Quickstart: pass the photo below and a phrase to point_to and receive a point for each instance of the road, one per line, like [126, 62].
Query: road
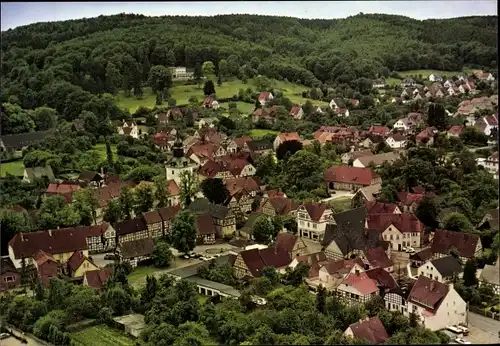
[483, 330]
[476, 149]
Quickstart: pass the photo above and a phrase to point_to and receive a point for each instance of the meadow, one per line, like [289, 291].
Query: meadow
[101, 336]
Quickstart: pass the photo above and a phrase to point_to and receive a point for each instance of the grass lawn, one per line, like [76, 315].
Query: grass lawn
[138, 274]
[244, 108]
[101, 336]
[101, 149]
[14, 167]
[392, 81]
[341, 204]
[202, 299]
[258, 133]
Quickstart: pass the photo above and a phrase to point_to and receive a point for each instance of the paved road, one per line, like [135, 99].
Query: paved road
[483, 330]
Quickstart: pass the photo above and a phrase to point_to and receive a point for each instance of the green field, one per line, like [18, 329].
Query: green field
[243, 107]
[101, 336]
[341, 204]
[258, 133]
[182, 93]
[101, 149]
[138, 274]
[14, 167]
[427, 73]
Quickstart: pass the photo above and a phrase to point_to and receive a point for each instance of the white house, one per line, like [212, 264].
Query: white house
[378, 83]
[297, 112]
[178, 164]
[312, 219]
[129, 128]
[265, 97]
[402, 124]
[434, 77]
[181, 73]
[396, 141]
[401, 230]
[210, 122]
[284, 137]
[487, 124]
[442, 269]
[448, 84]
[437, 304]
[490, 163]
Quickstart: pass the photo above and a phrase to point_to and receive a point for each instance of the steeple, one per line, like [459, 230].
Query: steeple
[178, 148]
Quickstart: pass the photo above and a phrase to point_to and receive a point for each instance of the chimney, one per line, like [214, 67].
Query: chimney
[102, 172]
[432, 286]
[50, 232]
[21, 235]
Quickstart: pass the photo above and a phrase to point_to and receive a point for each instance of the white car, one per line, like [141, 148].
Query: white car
[409, 249]
[464, 329]
[462, 341]
[454, 329]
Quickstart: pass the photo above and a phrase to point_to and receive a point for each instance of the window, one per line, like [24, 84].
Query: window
[397, 237]
[308, 224]
[315, 226]
[172, 172]
[391, 236]
[8, 279]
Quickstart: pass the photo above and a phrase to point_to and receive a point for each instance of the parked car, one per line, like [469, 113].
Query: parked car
[110, 257]
[409, 249]
[185, 256]
[4, 336]
[464, 329]
[462, 341]
[454, 329]
[197, 255]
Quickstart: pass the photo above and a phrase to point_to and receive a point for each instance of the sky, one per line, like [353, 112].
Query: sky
[15, 14]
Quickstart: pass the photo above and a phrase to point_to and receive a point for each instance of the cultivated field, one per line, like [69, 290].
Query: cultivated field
[101, 336]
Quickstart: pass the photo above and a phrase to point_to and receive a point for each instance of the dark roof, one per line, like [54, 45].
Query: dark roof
[168, 213]
[97, 278]
[136, 248]
[6, 266]
[248, 227]
[377, 257]
[371, 330]
[384, 279]
[444, 241]
[428, 293]
[315, 210]
[286, 241]
[447, 266]
[256, 259]
[76, 260]
[203, 206]
[131, 226]
[21, 140]
[422, 256]
[259, 144]
[54, 242]
[88, 176]
[349, 232]
[205, 225]
[152, 217]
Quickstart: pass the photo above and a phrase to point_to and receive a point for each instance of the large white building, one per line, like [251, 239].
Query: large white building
[312, 219]
[179, 163]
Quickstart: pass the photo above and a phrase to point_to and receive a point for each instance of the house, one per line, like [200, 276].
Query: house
[436, 304]
[487, 124]
[454, 131]
[366, 194]
[379, 83]
[179, 164]
[343, 112]
[96, 278]
[369, 329]
[377, 130]
[349, 178]
[419, 258]
[489, 220]
[377, 258]
[208, 122]
[167, 215]
[259, 146]
[265, 97]
[249, 263]
[353, 155]
[312, 219]
[278, 205]
[291, 243]
[409, 202]
[78, 264]
[490, 163]
[297, 112]
[434, 77]
[110, 191]
[61, 244]
[32, 173]
[100, 238]
[154, 224]
[91, 179]
[346, 236]
[205, 229]
[136, 251]
[263, 114]
[129, 128]
[181, 73]
[375, 207]
[224, 218]
[337, 103]
[9, 275]
[284, 137]
[333, 272]
[396, 141]
[210, 102]
[47, 266]
[65, 190]
[491, 275]
[131, 230]
[483, 75]
[371, 141]
[426, 136]
[313, 260]
[408, 82]
[175, 114]
[401, 230]
[376, 160]
[233, 168]
[443, 269]
[246, 231]
[402, 124]
[467, 245]
[20, 141]
[242, 192]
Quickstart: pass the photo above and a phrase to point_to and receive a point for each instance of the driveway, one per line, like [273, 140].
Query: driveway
[483, 330]
[99, 260]
[338, 194]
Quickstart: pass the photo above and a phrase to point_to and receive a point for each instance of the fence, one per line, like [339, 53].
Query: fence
[483, 312]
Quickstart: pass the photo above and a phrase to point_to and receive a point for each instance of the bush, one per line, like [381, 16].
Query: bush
[106, 315]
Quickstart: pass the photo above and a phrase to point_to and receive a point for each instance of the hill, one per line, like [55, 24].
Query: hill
[109, 53]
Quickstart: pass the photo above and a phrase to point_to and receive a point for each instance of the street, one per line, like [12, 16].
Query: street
[483, 330]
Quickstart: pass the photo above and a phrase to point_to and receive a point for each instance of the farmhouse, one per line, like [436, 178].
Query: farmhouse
[349, 178]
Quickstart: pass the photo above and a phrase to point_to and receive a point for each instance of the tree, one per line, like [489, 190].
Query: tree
[208, 68]
[308, 108]
[288, 148]
[172, 102]
[15, 120]
[109, 154]
[321, 299]
[209, 88]
[184, 232]
[12, 223]
[296, 276]
[188, 188]
[113, 212]
[159, 78]
[375, 306]
[219, 80]
[159, 100]
[118, 300]
[193, 99]
[161, 191]
[457, 222]
[162, 256]
[126, 202]
[470, 269]
[388, 194]
[143, 198]
[223, 68]
[436, 116]
[215, 190]
[198, 73]
[55, 212]
[263, 230]
[45, 118]
[427, 212]
[85, 201]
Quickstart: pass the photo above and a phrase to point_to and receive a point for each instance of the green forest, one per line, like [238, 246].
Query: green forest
[71, 65]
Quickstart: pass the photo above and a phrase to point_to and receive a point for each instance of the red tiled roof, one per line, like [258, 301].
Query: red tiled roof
[361, 282]
[282, 205]
[444, 241]
[426, 133]
[95, 230]
[54, 242]
[409, 198]
[205, 225]
[315, 210]
[242, 183]
[371, 330]
[295, 110]
[289, 136]
[152, 217]
[97, 278]
[377, 258]
[455, 129]
[286, 241]
[314, 261]
[379, 130]
[383, 279]
[240, 141]
[173, 188]
[111, 191]
[403, 222]
[76, 260]
[203, 149]
[418, 189]
[275, 193]
[168, 213]
[41, 257]
[264, 95]
[350, 175]
[398, 137]
[491, 120]
[344, 265]
[374, 207]
[428, 293]
[256, 259]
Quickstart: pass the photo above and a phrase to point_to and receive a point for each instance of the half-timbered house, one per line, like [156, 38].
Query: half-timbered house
[154, 224]
[131, 230]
